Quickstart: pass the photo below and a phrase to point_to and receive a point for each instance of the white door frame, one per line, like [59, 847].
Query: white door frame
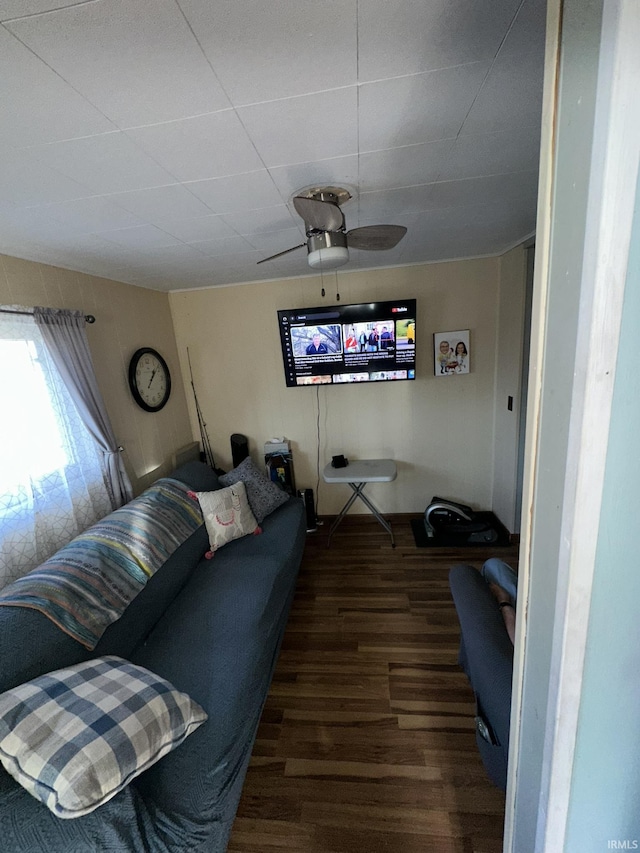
[610, 209]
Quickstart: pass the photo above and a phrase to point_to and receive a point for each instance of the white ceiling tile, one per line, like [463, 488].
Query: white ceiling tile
[506, 189]
[20, 8]
[261, 221]
[90, 257]
[170, 260]
[419, 108]
[276, 241]
[159, 204]
[263, 51]
[241, 262]
[451, 246]
[25, 181]
[515, 150]
[219, 276]
[153, 70]
[384, 205]
[194, 229]
[511, 96]
[139, 237]
[336, 172]
[223, 246]
[403, 167]
[207, 146]
[295, 264]
[467, 229]
[35, 104]
[107, 163]
[438, 133]
[363, 259]
[430, 223]
[311, 127]
[31, 221]
[89, 246]
[528, 30]
[410, 36]
[237, 193]
[92, 214]
[151, 280]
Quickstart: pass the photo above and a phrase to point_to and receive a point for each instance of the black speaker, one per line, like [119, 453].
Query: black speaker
[239, 448]
[307, 496]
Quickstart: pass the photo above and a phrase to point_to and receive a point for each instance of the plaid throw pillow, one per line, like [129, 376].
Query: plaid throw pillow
[77, 736]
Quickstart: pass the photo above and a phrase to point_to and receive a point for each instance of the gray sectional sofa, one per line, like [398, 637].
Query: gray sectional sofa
[212, 628]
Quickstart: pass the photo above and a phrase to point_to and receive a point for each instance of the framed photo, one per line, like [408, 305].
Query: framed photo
[451, 353]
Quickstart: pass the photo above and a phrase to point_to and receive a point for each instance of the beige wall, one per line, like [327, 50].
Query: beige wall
[439, 430]
[511, 315]
[127, 318]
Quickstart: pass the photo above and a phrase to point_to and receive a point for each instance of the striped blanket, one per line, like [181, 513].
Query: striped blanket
[87, 584]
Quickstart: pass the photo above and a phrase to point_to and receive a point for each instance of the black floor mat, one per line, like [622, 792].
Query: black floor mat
[459, 540]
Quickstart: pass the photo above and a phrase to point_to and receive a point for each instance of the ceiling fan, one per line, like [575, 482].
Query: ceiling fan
[327, 240]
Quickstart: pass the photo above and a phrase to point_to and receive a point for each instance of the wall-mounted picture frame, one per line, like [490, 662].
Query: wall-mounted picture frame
[451, 353]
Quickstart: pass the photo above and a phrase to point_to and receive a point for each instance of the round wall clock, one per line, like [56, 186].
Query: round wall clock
[149, 379]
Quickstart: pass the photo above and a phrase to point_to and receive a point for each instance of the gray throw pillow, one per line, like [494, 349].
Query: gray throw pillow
[264, 495]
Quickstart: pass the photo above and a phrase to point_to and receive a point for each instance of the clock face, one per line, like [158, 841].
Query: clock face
[149, 379]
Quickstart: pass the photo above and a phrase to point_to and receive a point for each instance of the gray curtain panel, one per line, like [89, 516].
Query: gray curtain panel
[66, 339]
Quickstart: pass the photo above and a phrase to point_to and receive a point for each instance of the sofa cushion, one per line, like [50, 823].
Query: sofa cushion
[197, 475]
[144, 611]
[237, 606]
[75, 737]
[264, 495]
[227, 515]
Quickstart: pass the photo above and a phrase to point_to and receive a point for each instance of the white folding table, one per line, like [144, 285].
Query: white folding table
[356, 475]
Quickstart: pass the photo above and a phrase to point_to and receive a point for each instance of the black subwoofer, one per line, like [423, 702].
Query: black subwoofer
[309, 505]
[239, 448]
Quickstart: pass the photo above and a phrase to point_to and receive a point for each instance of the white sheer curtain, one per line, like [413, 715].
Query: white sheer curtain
[51, 474]
[63, 332]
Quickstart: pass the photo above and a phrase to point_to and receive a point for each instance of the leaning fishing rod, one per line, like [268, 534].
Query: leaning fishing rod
[204, 438]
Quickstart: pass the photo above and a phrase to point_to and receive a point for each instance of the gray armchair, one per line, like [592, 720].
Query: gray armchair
[486, 656]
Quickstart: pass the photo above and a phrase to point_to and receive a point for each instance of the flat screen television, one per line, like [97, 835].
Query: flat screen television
[341, 344]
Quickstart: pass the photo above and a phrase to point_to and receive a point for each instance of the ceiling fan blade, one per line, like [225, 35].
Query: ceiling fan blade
[375, 237]
[280, 254]
[323, 215]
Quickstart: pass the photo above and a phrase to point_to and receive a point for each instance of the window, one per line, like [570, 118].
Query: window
[51, 477]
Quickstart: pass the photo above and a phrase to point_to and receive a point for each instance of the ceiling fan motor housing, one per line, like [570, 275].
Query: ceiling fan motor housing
[327, 249]
[327, 237]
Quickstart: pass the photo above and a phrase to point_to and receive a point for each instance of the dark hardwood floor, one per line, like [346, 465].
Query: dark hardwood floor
[367, 742]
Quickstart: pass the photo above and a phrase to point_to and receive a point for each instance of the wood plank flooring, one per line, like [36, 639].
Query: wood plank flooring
[366, 743]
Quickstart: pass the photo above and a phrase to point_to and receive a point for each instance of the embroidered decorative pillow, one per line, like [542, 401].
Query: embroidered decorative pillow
[264, 495]
[76, 737]
[227, 515]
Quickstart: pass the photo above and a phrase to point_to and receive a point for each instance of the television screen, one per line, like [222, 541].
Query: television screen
[337, 345]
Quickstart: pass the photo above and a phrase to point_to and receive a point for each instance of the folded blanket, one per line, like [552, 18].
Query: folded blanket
[87, 584]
